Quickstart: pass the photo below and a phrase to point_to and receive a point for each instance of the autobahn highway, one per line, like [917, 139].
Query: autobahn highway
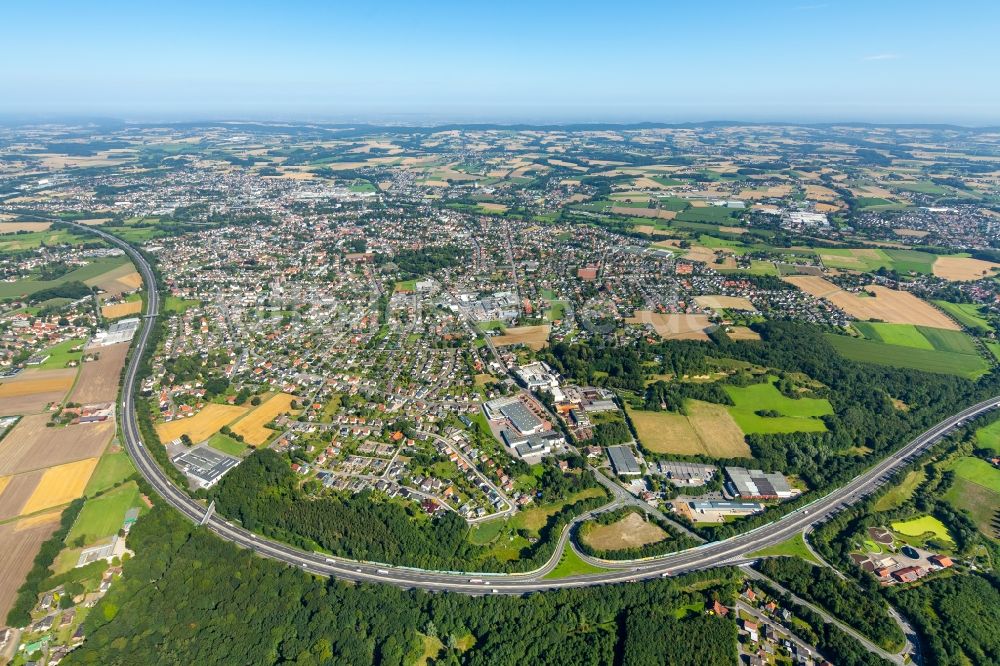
[734, 550]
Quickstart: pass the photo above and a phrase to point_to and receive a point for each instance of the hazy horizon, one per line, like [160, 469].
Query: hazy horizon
[897, 62]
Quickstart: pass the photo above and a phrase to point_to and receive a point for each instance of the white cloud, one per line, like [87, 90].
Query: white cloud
[882, 56]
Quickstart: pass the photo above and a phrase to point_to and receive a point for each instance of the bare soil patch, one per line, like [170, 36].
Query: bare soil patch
[32, 445]
[32, 390]
[629, 532]
[20, 543]
[17, 492]
[99, 379]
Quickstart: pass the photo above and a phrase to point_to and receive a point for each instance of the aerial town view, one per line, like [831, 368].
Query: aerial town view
[406, 381]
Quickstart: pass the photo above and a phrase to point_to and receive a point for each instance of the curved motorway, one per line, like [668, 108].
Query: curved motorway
[719, 553]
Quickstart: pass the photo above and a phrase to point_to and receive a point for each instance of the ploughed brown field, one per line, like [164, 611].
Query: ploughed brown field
[16, 492]
[32, 390]
[629, 532]
[32, 445]
[19, 543]
[99, 379]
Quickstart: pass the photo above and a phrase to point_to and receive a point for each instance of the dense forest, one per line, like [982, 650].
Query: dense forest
[427, 260]
[190, 598]
[957, 618]
[263, 493]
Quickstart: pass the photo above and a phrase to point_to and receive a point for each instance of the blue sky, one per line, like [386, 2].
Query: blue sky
[911, 61]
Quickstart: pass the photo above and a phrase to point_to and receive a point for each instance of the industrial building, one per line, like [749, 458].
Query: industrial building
[204, 465]
[623, 461]
[756, 484]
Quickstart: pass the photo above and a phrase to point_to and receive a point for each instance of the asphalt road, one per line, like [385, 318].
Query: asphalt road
[719, 553]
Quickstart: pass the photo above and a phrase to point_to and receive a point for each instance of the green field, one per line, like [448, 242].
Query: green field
[710, 214]
[898, 494]
[976, 490]
[29, 286]
[918, 337]
[797, 415]
[967, 314]
[928, 360]
[60, 354]
[111, 469]
[903, 335]
[227, 444]
[535, 518]
[175, 305]
[485, 533]
[570, 564]
[922, 186]
[102, 516]
[13, 242]
[979, 472]
[849, 260]
[406, 285]
[989, 436]
[870, 202]
[917, 531]
[793, 547]
[916, 261]
[758, 267]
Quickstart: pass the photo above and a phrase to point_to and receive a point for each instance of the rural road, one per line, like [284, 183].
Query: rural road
[720, 553]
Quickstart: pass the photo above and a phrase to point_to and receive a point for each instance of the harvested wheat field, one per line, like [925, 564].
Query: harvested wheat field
[883, 304]
[14, 227]
[820, 193]
[490, 207]
[117, 280]
[121, 309]
[632, 531]
[19, 543]
[17, 491]
[725, 303]
[252, 426]
[32, 390]
[99, 379]
[707, 429]
[32, 445]
[742, 333]
[673, 326]
[60, 485]
[705, 255]
[959, 269]
[202, 425]
[535, 337]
